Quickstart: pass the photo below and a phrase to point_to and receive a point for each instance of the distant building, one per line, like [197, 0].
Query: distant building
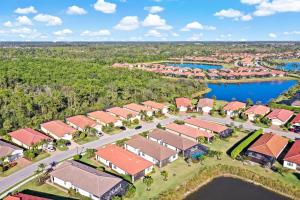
[139, 108]
[184, 104]
[296, 121]
[280, 116]
[292, 158]
[105, 118]
[10, 152]
[156, 106]
[88, 181]
[58, 130]
[205, 105]
[123, 113]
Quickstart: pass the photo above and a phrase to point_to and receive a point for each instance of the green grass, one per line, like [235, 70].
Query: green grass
[86, 139]
[41, 157]
[10, 171]
[114, 131]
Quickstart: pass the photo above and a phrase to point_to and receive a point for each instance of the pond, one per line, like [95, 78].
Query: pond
[257, 91]
[291, 66]
[196, 65]
[224, 188]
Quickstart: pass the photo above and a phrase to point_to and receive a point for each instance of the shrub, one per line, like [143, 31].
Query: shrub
[130, 193]
[237, 150]
[77, 157]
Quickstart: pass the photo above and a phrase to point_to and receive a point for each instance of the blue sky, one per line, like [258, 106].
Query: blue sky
[149, 20]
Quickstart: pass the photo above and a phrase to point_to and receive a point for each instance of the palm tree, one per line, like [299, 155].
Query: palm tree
[165, 174]
[148, 180]
[41, 167]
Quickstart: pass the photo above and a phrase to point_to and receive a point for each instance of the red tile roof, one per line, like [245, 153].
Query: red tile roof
[81, 121]
[103, 117]
[137, 108]
[296, 120]
[21, 196]
[121, 112]
[154, 105]
[58, 128]
[188, 131]
[28, 136]
[183, 102]
[214, 127]
[123, 159]
[258, 110]
[269, 144]
[234, 106]
[206, 102]
[281, 114]
[293, 154]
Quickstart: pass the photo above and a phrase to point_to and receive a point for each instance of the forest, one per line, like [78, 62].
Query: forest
[39, 85]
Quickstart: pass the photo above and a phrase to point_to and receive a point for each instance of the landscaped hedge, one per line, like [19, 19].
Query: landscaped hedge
[283, 106]
[237, 150]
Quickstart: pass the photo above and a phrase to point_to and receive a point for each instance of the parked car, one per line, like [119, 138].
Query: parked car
[123, 128]
[138, 127]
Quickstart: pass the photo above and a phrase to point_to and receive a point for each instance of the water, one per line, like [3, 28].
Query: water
[257, 91]
[224, 188]
[291, 66]
[196, 65]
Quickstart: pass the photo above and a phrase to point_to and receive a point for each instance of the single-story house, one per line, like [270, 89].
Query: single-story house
[88, 181]
[139, 108]
[181, 145]
[81, 122]
[267, 149]
[292, 158]
[233, 107]
[124, 162]
[205, 105]
[296, 121]
[10, 152]
[123, 113]
[156, 106]
[184, 104]
[151, 151]
[256, 110]
[208, 126]
[280, 116]
[58, 130]
[22, 196]
[189, 132]
[28, 137]
[105, 118]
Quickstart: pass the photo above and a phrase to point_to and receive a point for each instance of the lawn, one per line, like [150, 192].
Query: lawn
[87, 139]
[41, 157]
[11, 171]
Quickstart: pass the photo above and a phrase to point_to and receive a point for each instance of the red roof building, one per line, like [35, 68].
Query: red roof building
[103, 118]
[183, 104]
[21, 196]
[296, 120]
[234, 106]
[58, 130]
[292, 158]
[27, 137]
[154, 105]
[257, 110]
[80, 122]
[124, 161]
[122, 112]
[280, 116]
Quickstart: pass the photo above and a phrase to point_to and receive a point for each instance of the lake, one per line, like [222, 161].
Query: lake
[291, 66]
[256, 91]
[224, 188]
[196, 65]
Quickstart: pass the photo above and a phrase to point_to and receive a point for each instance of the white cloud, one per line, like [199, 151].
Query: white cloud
[63, 33]
[195, 37]
[128, 23]
[100, 33]
[193, 25]
[154, 9]
[154, 20]
[153, 33]
[75, 10]
[252, 2]
[268, 7]
[210, 28]
[226, 35]
[48, 19]
[105, 7]
[234, 14]
[8, 24]
[23, 21]
[292, 33]
[174, 34]
[272, 35]
[246, 18]
[27, 10]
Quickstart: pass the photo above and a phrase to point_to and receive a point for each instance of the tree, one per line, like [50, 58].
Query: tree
[130, 193]
[90, 153]
[164, 174]
[159, 126]
[219, 155]
[148, 180]
[41, 167]
[249, 102]
[116, 198]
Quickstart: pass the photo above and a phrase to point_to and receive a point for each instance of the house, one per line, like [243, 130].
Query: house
[81, 122]
[292, 158]
[28, 137]
[22, 196]
[105, 118]
[156, 106]
[58, 130]
[280, 116]
[189, 132]
[10, 152]
[88, 181]
[267, 149]
[208, 126]
[205, 105]
[151, 151]
[124, 162]
[233, 107]
[123, 113]
[296, 121]
[139, 108]
[184, 104]
[179, 144]
[256, 110]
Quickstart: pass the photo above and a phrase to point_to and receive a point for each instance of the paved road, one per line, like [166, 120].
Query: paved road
[28, 171]
[249, 126]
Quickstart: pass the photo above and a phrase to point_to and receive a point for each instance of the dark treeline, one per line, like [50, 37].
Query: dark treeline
[36, 89]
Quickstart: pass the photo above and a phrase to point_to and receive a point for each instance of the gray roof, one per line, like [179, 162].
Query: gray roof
[86, 178]
[150, 148]
[172, 139]
[6, 148]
